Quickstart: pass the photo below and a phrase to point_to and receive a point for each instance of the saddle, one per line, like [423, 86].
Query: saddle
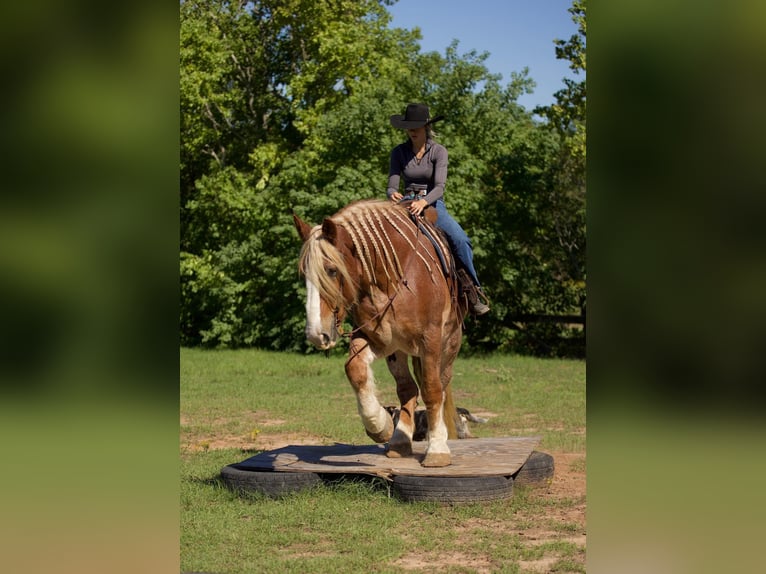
[477, 301]
[447, 263]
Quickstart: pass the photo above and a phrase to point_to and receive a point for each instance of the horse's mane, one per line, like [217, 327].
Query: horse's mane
[365, 221]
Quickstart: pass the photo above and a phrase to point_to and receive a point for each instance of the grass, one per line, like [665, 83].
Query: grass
[231, 400]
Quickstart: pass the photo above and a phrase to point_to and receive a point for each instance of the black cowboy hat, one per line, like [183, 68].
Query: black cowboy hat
[415, 116]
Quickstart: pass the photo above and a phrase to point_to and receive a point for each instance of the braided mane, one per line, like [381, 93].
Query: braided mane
[366, 222]
[370, 224]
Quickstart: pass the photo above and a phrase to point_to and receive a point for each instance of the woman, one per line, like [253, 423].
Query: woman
[423, 164]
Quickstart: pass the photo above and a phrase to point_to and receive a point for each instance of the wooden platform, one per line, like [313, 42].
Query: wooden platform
[470, 457]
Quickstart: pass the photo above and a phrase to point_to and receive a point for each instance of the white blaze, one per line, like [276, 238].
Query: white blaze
[313, 317]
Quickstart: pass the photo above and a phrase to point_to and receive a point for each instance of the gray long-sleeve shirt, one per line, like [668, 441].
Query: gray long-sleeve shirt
[430, 170]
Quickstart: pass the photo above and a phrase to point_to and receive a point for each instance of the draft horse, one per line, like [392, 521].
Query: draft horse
[395, 277]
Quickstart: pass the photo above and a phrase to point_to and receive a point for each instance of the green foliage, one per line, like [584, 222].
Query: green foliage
[567, 115]
[284, 109]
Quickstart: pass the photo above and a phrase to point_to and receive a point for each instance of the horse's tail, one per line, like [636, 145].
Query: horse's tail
[450, 414]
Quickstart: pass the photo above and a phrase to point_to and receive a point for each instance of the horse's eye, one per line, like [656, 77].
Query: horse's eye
[332, 272]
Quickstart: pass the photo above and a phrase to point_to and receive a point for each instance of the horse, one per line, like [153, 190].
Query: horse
[395, 276]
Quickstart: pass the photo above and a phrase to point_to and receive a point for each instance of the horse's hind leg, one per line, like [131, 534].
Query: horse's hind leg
[407, 391]
[377, 422]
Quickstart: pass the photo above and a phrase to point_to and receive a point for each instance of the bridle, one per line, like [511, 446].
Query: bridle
[338, 324]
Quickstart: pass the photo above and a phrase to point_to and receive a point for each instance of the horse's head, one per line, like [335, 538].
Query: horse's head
[329, 286]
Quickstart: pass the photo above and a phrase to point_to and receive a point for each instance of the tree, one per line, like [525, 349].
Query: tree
[563, 205]
[284, 107]
[269, 93]
[535, 231]
[567, 115]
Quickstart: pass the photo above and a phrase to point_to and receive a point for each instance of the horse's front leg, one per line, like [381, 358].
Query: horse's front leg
[437, 451]
[407, 391]
[377, 422]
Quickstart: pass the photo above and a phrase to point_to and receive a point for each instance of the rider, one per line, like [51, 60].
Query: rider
[423, 164]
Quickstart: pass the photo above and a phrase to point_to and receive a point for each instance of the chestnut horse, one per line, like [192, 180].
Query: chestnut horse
[373, 261]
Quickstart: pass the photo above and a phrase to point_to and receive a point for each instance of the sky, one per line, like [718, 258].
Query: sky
[516, 33]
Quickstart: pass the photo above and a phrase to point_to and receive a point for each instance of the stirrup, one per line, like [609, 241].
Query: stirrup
[480, 308]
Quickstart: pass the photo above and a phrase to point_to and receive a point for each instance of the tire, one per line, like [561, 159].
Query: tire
[536, 471]
[272, 484]
[452, 490]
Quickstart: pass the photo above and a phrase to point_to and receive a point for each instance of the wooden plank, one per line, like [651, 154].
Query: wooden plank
[470, 457]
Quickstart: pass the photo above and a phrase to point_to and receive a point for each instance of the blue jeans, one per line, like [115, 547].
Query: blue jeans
[457, 238]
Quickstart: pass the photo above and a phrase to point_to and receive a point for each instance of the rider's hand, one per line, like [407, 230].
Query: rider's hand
[417, 206]
[396, 197]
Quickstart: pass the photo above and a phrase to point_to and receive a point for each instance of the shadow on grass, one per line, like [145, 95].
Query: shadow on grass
[329, 483]
[358, 482]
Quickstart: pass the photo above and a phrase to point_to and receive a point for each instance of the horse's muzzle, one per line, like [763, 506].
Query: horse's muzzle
[321, 339]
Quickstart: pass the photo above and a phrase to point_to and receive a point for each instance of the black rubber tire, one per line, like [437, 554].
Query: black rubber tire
[452, 490]
[536, 471]
[272, 484]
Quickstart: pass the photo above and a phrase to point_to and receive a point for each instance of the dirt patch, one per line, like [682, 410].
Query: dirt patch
[272, 422]
[444, 561]
[263, 441]
[563, 522]
[279, 440]
[484, 414]
[256, 430]
[569, 478]
[541, 565]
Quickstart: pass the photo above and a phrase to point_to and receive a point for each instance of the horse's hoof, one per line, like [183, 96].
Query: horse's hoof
[401, 450]
[384, 435]
[437, 459]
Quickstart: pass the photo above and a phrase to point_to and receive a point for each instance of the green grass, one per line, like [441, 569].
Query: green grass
[358, 527]
[233, 391]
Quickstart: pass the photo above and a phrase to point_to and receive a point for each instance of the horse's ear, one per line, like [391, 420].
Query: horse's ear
[304, 229]
[330, 230]
[336, 235]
